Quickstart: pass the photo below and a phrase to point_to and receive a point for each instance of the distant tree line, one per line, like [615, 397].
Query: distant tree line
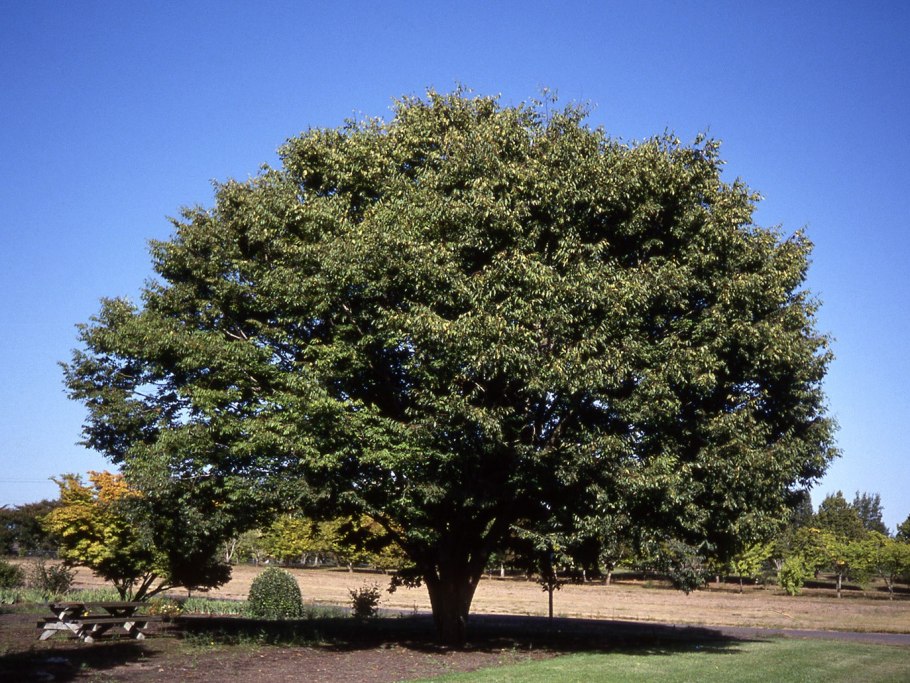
[102, 524]
[848, 540]
[21, 532]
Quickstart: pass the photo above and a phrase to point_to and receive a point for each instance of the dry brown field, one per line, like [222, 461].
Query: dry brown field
[719, 605]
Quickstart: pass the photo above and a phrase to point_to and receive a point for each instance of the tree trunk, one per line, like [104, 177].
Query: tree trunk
[229, 550]
[609, 576]
[838, 583]
[450, 598]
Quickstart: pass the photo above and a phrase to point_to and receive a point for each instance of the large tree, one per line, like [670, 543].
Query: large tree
[467, 319]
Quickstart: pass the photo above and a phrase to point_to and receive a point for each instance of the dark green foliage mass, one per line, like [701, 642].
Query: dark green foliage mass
[843, 520]
[11, 575]
[365, 601]
[903, 530]
[684, 565]
[869, 508]
[21, 532]
[466, 319]
[274, 594]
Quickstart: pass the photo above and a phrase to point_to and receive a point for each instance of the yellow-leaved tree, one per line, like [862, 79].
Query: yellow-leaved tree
[103, 525]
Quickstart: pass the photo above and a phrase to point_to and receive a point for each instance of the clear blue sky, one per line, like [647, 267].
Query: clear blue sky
[115, 114]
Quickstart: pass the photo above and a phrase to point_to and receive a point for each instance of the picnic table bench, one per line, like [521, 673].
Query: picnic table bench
[90, 620]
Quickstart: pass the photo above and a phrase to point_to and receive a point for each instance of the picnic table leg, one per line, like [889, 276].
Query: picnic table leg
[50, 628]
[134, 629]
[61, 623]
[89, 633]
[75, 628]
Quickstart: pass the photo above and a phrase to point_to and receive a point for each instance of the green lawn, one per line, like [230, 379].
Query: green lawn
[777, 660]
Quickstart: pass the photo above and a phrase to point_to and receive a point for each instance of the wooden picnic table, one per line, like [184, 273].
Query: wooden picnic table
[89, 620]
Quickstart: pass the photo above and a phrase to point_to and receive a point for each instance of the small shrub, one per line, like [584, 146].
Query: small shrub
[105, 594]
[52, 580]
[212, 606]
[274, 594]
[793, 574]
[365, 601]
[164, 607]
[11, 575]
[685, 566]
[9, 596]
[12, 596]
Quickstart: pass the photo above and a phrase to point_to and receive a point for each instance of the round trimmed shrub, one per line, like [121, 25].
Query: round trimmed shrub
[274, 594]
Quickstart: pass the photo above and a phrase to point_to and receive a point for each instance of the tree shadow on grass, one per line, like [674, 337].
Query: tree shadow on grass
[597, 635]
[487, 633]
[522, 636]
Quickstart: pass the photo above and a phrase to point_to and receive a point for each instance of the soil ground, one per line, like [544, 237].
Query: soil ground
[508, 626]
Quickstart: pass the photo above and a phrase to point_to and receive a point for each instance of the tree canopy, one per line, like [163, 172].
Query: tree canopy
[903, 530]
[839, 517]
[869, 508]
[468, 319]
